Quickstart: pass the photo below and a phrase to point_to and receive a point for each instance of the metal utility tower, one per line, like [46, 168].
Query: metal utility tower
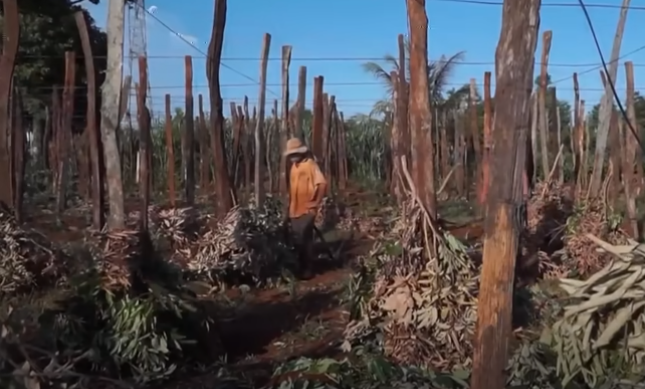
[138, 46]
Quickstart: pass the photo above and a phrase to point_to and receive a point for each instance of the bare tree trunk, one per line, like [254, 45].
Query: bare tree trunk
[514, 61]
[226, 196]
[542, 111]
[10, 32]
[111, 95]
[606, 106]
[419, 108]
[259, 125]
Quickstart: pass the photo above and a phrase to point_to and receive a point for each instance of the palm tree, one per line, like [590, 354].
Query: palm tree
[439, 72]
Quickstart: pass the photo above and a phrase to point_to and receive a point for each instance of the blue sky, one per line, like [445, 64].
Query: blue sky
[323, 32]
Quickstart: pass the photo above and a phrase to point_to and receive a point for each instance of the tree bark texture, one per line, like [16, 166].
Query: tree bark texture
[420, 115]
[111, 95]
[606, 106]
[514, 61]
[224, 190]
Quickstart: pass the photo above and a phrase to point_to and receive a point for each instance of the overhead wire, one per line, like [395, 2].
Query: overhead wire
[349, 83]
[600, 66]
[610, 82]
[561, 5]
[180, 36]
[341, 59]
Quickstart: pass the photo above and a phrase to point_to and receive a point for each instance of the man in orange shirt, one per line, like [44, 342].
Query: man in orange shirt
[307, 187]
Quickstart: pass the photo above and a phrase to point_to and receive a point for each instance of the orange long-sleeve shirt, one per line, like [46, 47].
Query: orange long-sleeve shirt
[307, 187]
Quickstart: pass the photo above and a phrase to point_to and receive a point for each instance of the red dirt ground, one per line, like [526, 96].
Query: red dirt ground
[306, 319]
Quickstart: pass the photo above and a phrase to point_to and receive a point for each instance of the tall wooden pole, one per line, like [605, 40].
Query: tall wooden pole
[514, 60]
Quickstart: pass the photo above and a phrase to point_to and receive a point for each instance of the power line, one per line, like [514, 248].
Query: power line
[610, 82]
[600, 66]
[329, 59]
[292, 85]
[180, 36]
[562, 5]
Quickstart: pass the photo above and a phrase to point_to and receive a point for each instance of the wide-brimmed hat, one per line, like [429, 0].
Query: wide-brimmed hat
[295, 146]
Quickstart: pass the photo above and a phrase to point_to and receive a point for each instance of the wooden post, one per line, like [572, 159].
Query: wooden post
[18, 148]
[474, 133]
[459, 152]
[189, 127]
[275, 123]
[10, 32]
[224, 190]
[317, 121]
[284, 125]
[259, 124]
[65, 133]
[91, 129]
[420, 114]
[542, 111]
[246, 142]
[342, 151]
[170, 152]
[403, 106]
[143, 114]
[237, 129]
[326, 135]
[204, 150]
[514, 78]
[577, 135]
[630, 153]
[607, 106]
[488, 139]
[300, 103]
[396, 188]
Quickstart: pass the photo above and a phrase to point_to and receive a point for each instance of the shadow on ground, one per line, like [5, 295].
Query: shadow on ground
[257, 325]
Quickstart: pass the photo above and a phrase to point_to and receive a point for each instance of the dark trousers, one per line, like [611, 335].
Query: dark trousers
[302, 228]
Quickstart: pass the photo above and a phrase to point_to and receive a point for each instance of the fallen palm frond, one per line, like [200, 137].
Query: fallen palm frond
[423, 298]
[249, 241]
[604, 324]
[27, 259]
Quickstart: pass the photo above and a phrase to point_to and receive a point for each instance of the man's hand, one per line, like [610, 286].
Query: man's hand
[313, 206]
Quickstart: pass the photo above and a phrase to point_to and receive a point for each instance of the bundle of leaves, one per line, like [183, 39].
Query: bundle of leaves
[547, 212]
[361, 370]
[593, 217]
[422, 304]
[599, 340]
[128, 316]
[176, 231]
[28, 260]
[250, 243]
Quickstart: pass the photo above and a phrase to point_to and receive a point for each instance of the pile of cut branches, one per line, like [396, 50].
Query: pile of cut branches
[127, 314]
[175, 231]
[249, 242]
[600, 338]
[28, 261]
[594, 217]
[423, 298]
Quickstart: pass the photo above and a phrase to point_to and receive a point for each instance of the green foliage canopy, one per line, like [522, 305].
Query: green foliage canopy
[47, 30]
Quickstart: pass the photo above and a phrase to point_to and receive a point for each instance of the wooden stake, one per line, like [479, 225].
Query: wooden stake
[504, 220]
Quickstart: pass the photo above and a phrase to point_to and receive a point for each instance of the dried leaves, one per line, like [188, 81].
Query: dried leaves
[426, 302]
[250, 241]
[591, 217]
[603, 321]
[27, 259]
[120, 254]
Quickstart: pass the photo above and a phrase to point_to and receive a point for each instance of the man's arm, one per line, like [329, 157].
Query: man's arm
[320, 185]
